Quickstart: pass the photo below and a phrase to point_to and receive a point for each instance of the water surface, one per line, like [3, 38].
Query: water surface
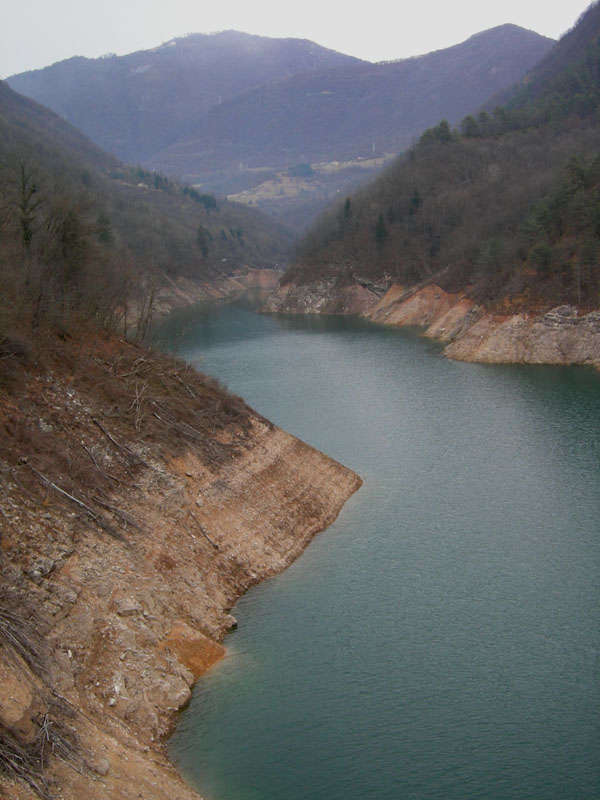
[441, 639]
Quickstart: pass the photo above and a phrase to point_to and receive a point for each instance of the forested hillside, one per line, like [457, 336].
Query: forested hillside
[231, 112]
[136, 105]
[507, 204]
[79, 229]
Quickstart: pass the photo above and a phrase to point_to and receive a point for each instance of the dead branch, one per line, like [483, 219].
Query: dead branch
[99, 468]
[91, 455]
[112, 439]
[15, 631]
[185, 386]
[202, 529]
[136, 368]
[22, 762]
[215, 449]
[62, 741]
[126, 519]
[87, 510]
[136, 404]
[121, 447]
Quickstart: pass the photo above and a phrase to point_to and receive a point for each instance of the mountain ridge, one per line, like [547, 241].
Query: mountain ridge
[134, 104]
[304, 104]
[501, 215]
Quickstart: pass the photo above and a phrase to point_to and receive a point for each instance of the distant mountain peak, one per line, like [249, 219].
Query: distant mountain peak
[494, 35]
[223, 108]
[181, 78]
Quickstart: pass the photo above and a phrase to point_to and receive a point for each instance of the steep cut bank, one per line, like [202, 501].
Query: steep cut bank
[560, 336]
[138, 502]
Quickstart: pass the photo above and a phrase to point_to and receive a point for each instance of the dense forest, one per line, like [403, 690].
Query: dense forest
[508, 204]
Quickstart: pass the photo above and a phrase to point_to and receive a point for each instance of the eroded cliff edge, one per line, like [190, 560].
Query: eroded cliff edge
[138, 502]
[560, 336]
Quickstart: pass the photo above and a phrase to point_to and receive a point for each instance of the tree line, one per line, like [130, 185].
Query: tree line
[507, 204]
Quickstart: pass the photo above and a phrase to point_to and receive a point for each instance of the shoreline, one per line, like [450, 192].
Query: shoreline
[469, 332]
[131, 621]
[181, 292]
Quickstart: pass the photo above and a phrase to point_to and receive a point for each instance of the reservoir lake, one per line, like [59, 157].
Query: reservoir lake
[441, 640]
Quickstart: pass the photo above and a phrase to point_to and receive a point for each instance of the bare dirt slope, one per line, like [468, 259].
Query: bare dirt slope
[138, 501]
[561, 335]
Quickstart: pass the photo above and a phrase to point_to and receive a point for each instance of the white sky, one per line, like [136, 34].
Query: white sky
[36, 33]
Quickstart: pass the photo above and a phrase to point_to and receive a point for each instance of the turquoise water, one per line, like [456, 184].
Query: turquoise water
[441, 639]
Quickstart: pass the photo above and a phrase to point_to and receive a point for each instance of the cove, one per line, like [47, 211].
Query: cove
[441, 639]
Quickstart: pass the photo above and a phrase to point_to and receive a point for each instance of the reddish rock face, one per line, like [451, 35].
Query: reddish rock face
[559, 336]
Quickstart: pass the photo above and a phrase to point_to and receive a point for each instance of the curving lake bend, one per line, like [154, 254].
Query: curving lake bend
[442, 639]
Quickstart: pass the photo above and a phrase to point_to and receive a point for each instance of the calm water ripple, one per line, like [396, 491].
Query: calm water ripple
[442, 639]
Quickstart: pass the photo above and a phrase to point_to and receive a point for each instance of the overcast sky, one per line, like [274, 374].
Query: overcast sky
[36, 33]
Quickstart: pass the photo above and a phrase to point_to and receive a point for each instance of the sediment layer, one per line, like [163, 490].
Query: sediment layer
[560, 336]
[180, 291]
[128, 616]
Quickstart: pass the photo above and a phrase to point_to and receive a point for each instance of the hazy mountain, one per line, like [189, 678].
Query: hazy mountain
[201, 106]
[508, 206]
[138, 104]
[354, 111]
[51, 175]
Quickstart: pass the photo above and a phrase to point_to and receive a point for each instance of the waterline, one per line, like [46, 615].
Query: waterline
[441, 639]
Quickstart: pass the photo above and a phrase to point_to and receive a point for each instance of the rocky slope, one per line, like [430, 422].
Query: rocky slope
[560, 336]
[327, 296]
[180, 291]
[137, 502]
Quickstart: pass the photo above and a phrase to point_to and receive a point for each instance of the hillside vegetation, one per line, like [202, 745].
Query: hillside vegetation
[508, 204]
[138, 104]
[79, 230]
[229, 111]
